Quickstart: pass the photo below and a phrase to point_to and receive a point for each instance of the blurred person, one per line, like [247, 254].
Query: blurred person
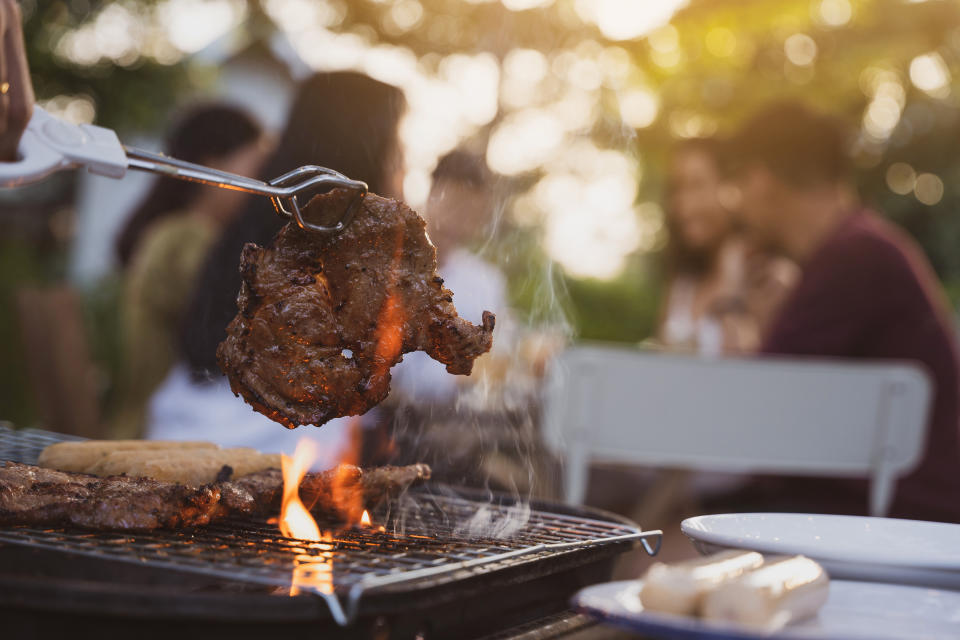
[475, 430]
[720, 294]
[866, 292]
[16, 89]
[720, 291]
[346, 121]
[164, 242]
[459, 212]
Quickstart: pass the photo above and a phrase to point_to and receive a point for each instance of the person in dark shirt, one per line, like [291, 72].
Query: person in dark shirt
[866, 291]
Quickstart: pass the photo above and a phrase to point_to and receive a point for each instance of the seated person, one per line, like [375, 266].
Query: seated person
[458, 211]
[473, 430]
[720, 291]
[866, 292]
[195, 401]
[163, 245]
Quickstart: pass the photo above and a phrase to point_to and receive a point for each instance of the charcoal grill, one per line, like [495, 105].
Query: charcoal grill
[440, 549]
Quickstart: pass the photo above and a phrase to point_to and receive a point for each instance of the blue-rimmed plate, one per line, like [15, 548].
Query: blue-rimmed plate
[854, 611]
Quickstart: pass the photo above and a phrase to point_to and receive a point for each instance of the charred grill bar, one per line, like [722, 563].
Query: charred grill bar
[439, 547]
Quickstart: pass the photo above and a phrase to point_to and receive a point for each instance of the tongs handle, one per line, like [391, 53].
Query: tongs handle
[50, 144]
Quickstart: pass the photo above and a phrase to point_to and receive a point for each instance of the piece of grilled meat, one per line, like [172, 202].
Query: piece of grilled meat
[36, 496]
[337, 492]
[323, 318]
[45, 497]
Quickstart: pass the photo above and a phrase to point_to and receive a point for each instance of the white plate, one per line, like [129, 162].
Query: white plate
[854, 611]
[854, 547]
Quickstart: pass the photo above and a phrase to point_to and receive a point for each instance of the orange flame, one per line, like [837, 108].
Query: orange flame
[295, 520]
[365, 518]
[314, 572]
[347, 492]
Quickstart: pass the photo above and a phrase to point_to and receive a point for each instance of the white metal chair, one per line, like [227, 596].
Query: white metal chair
[758, 415]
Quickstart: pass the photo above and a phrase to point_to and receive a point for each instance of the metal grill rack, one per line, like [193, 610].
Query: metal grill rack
[25, 445]
[425, 542]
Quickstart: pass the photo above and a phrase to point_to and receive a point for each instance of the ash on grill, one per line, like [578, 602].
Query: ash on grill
[425, 545]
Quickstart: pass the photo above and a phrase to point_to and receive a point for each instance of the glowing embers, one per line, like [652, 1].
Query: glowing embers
[314, 572]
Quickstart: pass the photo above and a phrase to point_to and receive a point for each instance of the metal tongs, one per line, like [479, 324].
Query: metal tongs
[50, 144]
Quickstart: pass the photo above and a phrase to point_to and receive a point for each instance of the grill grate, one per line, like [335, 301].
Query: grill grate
[427, 539]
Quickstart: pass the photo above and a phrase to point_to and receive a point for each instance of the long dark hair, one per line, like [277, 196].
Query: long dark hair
[342, 120]
[681, 259]
[200, 133]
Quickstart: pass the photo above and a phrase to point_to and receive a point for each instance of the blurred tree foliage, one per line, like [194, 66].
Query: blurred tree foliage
[132, 91]
[717, 61]
[732, 57]
[889, 68]
[720, 60]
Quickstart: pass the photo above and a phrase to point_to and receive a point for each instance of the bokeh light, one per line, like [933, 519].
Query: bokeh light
[523, 5]
[883, 112]
[523, 71]
[685, 123]
[834, 13]
[638, 107]
[721, 42]
[524, 141]
[78, 109]
[193, 24]
[665, 47]
[403, 16]
[800, 49]
[297, 15]
[928, 189]
[930, 74]
[116, 35]
[627, 19]
[614, 71]
[901, 178]
[586, 201]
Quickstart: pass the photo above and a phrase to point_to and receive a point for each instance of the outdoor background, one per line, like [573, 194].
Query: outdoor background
[574, 103]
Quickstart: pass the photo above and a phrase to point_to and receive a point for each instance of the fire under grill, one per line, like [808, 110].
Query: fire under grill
[428, 539]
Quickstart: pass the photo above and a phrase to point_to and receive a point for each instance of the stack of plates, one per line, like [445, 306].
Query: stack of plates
[848, 547]
[854, 611]
[890, 579]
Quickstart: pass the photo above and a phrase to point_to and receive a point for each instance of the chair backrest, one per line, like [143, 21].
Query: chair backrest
[770, 415]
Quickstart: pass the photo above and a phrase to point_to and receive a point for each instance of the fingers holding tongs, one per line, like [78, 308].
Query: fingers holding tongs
[16, 90]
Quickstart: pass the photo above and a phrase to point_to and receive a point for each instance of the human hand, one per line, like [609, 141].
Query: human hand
[16, 91]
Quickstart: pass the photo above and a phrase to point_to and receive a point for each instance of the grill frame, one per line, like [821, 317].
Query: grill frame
[474, 556]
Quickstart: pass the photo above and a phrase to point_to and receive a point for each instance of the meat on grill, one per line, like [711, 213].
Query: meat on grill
[37, 496]
[323, 318]
[337, 492]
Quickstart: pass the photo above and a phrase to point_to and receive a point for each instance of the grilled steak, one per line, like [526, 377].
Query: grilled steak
[36, 496]
[339, 492]
[323, 318]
